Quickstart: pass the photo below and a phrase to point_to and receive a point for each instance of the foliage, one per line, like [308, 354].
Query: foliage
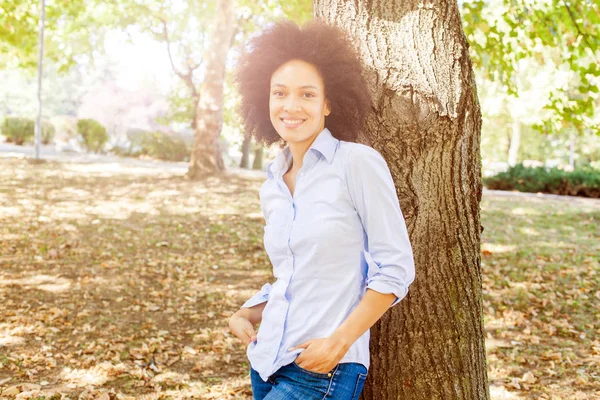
[20, 130]
[583, 181]
[93, 134]
[556, 147]
[566, 34]
[73, 27]
[535, 145]
[160, 145]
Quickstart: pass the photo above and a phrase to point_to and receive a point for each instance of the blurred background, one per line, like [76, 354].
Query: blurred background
[124, 78]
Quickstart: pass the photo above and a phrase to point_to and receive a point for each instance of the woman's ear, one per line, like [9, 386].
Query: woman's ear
[327, 108]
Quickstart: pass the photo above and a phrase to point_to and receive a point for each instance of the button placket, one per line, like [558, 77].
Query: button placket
[289, 228]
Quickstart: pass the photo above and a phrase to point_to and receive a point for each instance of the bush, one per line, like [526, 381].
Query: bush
[583, 182]
[19, 130]
[93, 134]
[160, 145]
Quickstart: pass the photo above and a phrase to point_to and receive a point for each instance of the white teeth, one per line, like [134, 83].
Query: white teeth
[292, 121]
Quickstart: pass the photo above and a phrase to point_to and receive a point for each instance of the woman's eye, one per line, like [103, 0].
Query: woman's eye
[309, 94]
[278, 93]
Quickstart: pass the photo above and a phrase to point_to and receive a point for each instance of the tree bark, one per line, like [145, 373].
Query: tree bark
[246, 145]
[206, 158]
[515, 142]
[426, 122]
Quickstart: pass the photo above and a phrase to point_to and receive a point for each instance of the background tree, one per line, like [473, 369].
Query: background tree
[426, 123]
[206, 155]
[565, 33]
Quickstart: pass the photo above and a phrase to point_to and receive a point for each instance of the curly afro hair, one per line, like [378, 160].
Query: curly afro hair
[324, 46]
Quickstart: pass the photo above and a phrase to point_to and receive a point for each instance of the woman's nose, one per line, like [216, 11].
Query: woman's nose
[291, 105]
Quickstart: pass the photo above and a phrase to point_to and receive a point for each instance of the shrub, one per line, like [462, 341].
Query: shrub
[20, 130]
[160, 145]
[93, 134]
[583, 182]
[165, 146]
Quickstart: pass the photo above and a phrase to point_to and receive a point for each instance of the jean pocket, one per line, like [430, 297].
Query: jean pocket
[325, 375]
[360, 383]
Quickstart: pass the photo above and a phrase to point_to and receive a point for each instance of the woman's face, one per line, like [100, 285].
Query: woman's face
[297, 105]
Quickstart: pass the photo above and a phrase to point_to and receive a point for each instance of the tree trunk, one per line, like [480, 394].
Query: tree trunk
[258, 157]
[426, 122]
[515, 142]
[572, 148]
[246, 145]
[206, 158]
[38, 121]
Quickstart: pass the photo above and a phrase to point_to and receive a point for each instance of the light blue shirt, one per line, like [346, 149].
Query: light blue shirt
[341, 233]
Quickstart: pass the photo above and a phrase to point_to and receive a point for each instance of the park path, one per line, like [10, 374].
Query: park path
[50, 153]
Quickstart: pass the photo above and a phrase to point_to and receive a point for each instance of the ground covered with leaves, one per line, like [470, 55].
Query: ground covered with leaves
[541, 266]
[117, 282]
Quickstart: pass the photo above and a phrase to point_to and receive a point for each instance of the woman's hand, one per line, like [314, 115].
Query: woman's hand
[321, 355]
[242, 329]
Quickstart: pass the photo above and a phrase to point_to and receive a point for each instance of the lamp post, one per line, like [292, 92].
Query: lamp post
[38, 122]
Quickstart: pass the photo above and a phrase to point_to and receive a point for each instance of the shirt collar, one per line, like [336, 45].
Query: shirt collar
[324, 144]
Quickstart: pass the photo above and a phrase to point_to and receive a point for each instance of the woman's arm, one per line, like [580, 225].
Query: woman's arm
[242, 322]
[327, 352]
[252, 314]
[372, 306]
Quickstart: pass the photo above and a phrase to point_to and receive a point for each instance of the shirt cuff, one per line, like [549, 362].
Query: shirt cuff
[385, 280]
[385, 288]
[260, 297]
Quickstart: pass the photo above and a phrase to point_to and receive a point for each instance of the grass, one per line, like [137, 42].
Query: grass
[102, 269]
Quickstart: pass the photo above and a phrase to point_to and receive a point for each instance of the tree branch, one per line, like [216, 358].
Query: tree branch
[166, 36]
[579, 31]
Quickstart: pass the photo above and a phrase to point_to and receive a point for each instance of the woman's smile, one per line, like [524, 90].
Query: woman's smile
[292, 123]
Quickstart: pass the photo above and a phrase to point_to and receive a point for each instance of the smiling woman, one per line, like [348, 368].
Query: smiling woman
[334, 230]
[339, 79]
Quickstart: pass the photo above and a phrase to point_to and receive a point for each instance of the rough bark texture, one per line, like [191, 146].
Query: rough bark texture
[426, 122]
[206, 156]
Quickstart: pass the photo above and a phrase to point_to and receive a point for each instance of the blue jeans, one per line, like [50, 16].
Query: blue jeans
[293, 382]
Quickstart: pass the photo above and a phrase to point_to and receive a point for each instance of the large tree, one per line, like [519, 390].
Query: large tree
[426, 122]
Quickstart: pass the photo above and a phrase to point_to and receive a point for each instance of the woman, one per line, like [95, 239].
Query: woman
[334, 230]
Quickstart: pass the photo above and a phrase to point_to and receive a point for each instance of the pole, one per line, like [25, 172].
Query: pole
[38, 122]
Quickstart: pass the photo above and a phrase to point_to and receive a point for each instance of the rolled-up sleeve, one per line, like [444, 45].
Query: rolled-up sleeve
[260, 297]
[389, 256]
